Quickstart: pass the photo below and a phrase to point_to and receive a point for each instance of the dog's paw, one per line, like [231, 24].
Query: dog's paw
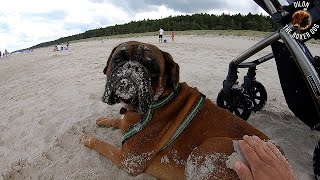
[87, 141]
[103, 122]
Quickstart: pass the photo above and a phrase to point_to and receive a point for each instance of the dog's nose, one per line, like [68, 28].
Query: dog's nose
[127, 65]
[124, 82]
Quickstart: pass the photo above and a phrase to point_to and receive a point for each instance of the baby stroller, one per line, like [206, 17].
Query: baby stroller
[298, 70]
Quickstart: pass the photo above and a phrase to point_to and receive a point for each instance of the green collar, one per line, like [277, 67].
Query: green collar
[194, 110]
[135, 128]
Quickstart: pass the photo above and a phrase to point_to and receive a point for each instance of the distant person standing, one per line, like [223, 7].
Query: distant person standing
[6, 53]
[0, 54]
[160, 34]
[172, 36]
[67, 46]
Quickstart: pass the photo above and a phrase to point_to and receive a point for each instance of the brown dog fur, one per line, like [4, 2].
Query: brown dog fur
[210, 133]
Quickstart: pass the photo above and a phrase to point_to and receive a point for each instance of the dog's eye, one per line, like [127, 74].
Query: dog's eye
[117, 60]
[153, 68]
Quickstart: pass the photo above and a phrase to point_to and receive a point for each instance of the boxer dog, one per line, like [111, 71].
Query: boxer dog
[169, 130]
[301, 20]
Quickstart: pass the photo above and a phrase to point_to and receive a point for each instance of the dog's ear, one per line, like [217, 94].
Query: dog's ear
[171, 70]
[109, 60]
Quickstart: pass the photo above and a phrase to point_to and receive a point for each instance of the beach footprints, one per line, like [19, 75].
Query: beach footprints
[16, 114]
[2, 129]
[14, 170]
[63, 151]
[316, 161]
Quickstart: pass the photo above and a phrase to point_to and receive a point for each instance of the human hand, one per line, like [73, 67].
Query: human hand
[265, 161]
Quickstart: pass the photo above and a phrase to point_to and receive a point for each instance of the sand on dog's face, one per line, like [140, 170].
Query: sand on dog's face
[49, 99]
[129, 83]
[134, 75]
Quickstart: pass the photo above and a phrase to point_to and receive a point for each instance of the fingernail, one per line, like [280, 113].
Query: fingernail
[269, 143]
[237, 166]
[255, 138]
[245, 136]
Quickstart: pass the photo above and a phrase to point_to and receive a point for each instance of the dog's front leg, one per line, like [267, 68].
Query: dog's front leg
[133, 163]
[115, 123]
[111, 152]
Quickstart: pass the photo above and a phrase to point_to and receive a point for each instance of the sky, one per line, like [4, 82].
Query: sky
[27, 23]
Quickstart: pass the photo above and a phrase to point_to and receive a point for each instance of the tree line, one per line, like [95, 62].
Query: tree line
[201, 21]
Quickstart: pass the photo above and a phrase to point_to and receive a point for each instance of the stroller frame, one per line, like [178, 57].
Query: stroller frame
[297, 49]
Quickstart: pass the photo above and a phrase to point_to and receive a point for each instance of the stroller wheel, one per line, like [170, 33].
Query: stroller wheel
[258, 95]
[316, 161]
[240, 103]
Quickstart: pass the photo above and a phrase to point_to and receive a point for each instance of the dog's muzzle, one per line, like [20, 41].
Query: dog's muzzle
[131, 84]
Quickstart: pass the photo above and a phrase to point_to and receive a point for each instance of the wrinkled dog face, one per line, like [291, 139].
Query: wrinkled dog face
[135, 75]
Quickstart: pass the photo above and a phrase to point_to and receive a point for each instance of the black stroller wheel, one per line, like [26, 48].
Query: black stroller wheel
[258, 95]
[316, 161]
[240, 103]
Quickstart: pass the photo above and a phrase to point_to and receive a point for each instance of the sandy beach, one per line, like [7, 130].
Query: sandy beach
[50, 99]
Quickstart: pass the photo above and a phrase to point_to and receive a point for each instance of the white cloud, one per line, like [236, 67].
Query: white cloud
[27, 23]
[26, 27]
[238, 6]
[157, 12]
[87, 12]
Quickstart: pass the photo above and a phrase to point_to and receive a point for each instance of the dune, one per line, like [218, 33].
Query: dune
[50, 99]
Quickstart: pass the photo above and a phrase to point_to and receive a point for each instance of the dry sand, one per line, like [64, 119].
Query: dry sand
[49, 99]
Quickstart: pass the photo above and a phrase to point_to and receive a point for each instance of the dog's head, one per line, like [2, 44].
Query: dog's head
[301, 20]
[137, 74]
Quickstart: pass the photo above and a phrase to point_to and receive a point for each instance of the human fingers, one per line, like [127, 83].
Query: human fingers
[243, 172]
[267, 151]
[249, 154]
[282, 161]
[276, 152]
[269, 154]
[260, 148]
